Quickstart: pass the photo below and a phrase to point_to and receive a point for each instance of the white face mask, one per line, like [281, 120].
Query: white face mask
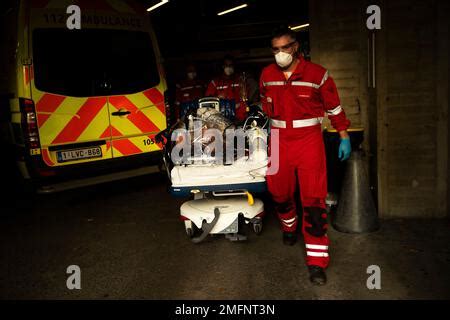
[228, 71]
[283, 59]
[192, 75]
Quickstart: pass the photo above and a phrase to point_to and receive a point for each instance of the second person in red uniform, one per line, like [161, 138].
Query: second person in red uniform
[188, 92]
[228, 86]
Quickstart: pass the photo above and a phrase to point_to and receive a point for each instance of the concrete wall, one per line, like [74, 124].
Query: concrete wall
[406, 115]
[337, 43]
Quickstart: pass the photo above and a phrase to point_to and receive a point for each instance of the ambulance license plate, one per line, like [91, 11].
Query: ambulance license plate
[79, 154]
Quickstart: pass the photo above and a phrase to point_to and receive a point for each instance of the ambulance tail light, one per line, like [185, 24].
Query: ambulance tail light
[29, 123]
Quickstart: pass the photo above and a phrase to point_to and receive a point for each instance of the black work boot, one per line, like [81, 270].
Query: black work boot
[289, 238]
[317, 275]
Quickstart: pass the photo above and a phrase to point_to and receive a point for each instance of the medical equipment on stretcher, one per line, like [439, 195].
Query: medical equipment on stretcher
[220, 191]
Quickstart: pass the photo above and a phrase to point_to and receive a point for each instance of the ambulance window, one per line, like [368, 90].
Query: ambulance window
[131, 62]
[92, 62]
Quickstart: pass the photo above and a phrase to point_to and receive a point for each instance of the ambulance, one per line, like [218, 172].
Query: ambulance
[83, 106]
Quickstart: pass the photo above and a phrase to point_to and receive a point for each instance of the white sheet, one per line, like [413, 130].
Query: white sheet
[241, 171]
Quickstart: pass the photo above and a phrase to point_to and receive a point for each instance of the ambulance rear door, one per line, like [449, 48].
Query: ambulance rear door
[137, 86]
[69, 90]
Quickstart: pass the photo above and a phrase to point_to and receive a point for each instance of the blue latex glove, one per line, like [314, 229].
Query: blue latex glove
[345, 148]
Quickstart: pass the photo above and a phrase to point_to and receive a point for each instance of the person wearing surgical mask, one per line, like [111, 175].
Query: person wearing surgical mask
[188, 91]
[296, 95]
[228, 88]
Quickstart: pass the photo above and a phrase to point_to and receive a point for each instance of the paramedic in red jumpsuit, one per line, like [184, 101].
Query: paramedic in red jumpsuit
[295, 95]
[189, 90]
[228, 86]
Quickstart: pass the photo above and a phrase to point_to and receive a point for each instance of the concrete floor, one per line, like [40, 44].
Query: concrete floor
[129, 243]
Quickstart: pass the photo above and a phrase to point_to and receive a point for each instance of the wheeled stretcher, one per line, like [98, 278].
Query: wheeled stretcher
[221, 194]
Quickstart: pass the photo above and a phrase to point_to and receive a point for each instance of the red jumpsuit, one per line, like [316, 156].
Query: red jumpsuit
[296, 107]
[188, 91]
[228, 88]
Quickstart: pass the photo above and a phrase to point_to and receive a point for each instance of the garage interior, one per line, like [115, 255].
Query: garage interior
[126, 235]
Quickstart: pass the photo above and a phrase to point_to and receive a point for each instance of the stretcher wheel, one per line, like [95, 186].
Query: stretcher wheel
[257, 225]
[192, 231]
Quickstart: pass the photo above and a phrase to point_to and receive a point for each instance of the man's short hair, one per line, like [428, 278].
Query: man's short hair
[283, 30]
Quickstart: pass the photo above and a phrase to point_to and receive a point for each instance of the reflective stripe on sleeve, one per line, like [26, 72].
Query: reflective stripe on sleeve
[335, 111]
[325, 77]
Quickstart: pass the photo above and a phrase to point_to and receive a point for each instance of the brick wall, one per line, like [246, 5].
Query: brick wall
[411, 95]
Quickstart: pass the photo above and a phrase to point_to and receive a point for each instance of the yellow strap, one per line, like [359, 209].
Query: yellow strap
[250, 198]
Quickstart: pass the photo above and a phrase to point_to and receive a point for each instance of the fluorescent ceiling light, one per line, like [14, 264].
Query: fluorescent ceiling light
[232, 9]
[302, 26]
[157, 5]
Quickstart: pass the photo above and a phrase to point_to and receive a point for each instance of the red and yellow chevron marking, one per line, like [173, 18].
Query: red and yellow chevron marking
[156, 97]
[79, 123]
[46, 106]
[136, 117]
[63, 120]
[46, 158]
[129, 146]
[146, 119]
[124, 146]
[68, 119]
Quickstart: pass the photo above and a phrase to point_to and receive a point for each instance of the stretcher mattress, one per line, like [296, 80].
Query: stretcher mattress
[242, 174]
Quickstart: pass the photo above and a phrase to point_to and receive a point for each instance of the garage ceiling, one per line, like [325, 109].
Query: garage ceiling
[193, 25]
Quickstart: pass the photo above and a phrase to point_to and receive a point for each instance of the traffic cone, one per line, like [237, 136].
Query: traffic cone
[356, 212]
